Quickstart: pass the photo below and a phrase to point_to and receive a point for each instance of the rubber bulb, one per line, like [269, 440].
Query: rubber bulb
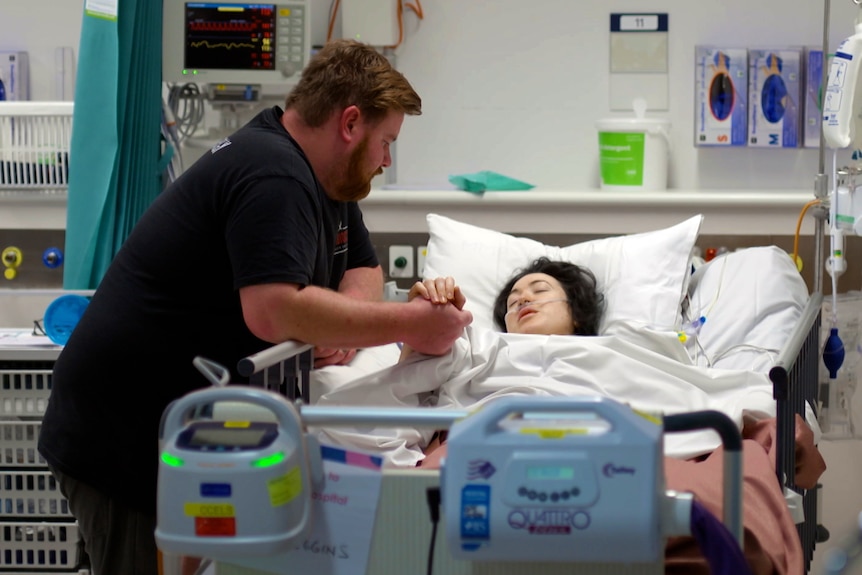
[833, 353]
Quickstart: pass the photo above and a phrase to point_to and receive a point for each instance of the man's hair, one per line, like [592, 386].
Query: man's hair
[348, 73]
[579, 283]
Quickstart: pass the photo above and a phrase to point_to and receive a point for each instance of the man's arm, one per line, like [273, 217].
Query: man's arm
[278, 312]
[363, 283]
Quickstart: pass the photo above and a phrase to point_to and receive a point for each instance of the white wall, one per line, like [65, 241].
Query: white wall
[516, 87]
[40, 27]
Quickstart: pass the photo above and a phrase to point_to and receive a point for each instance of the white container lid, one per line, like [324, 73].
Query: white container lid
[631, 123]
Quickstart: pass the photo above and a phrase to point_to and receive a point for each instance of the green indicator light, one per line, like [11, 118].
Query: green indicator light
[172, 460]
[269, 460]
[185, 72]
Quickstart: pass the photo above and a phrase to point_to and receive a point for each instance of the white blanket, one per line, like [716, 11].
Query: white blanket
[648, 370]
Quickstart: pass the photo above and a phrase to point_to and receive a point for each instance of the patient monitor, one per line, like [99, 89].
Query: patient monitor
[236, 44]
[554, 479]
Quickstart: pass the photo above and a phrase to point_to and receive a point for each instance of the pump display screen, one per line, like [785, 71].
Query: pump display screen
[222, 437]
[550, 472]
[230, 36]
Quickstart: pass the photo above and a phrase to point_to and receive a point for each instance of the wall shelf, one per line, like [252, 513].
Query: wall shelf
[759, 212]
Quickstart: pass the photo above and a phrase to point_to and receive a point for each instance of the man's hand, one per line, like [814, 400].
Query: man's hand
[324, 356]
[440, 326]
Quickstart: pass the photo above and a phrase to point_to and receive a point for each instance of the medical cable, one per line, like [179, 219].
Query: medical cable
[186, 103]
[416, 8]
[204, 565]
[795, 254]
[534, 303]
[432, 496]
[693, 328]
[333, 11]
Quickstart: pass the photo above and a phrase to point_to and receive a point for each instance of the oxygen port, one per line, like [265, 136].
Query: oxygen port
[11, 257]
[52, 257]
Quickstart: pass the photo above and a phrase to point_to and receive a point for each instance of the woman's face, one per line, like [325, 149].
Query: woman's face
[538, 304]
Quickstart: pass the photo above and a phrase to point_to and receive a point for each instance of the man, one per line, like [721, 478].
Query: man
[259, 242]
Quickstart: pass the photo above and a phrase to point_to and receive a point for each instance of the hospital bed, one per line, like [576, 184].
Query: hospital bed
[768, 349]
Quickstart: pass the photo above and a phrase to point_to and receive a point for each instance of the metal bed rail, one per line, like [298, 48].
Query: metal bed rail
[284, 367]
[794, 383]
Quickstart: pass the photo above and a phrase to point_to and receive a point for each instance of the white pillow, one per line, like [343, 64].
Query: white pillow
[642, 276]
[751, 300]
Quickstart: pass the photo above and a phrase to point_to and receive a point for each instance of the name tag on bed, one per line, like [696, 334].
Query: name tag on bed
[343, 513]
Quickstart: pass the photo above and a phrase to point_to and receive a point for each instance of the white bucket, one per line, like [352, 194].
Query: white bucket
[633, 153]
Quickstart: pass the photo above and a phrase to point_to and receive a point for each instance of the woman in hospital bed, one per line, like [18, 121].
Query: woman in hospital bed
[560, 298]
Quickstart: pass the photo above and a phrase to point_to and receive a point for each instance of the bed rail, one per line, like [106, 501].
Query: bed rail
[284, 368]
[794, 382]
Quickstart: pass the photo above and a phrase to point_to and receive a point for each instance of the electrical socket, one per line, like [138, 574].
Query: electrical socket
[401, 262]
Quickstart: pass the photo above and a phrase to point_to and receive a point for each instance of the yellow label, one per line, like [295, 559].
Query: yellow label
[648, 416]
[282, 490]
[284, 12]
[554, 433]
[209, 510]
[237, 424]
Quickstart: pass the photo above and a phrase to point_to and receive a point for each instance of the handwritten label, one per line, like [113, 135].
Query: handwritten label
[343, 512]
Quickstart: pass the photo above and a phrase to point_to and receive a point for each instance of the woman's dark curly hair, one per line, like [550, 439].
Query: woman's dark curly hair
[579, 283]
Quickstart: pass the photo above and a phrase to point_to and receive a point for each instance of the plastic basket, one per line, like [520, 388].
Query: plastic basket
[18, 444]
[24, 392]
[35, 138]
[38, 545]
[31, 494]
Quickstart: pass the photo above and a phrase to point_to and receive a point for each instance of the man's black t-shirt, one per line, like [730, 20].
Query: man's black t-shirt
[249, 212]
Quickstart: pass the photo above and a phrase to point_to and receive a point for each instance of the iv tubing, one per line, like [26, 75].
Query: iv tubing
[834, 231]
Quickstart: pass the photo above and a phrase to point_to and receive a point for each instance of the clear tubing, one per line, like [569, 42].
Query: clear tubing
[834, 240]
[534, 303]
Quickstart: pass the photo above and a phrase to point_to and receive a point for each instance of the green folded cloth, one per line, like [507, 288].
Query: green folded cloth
[488, 181]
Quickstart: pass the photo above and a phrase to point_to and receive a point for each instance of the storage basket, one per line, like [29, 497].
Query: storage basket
[31, 494]
[38, 545]
[35, 138]
[24, 392]
[18, 444]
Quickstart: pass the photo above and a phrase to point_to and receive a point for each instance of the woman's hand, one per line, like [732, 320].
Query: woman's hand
[324, 356]
[438, 291]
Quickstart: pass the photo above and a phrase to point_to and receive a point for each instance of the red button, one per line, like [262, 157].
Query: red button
[215, 526]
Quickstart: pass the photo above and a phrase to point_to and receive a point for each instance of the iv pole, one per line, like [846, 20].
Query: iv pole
[821, 181]
[841, 558]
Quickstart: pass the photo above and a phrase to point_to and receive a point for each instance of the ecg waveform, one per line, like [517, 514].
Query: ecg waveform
[229, 26]
[226, 45]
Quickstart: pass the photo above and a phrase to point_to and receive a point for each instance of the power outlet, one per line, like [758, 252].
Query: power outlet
[401, 262]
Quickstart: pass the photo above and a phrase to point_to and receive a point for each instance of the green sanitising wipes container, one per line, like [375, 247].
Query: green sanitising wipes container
[633, 153]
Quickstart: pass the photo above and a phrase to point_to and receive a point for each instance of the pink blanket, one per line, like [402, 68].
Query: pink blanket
[771, 542]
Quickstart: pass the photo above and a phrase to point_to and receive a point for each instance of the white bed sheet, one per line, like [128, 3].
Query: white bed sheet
[649, 370]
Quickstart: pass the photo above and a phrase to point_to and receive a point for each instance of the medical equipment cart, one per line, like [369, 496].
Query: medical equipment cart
[37, 532]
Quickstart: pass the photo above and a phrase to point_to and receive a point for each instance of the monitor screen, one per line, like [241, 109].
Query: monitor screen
[220, 42]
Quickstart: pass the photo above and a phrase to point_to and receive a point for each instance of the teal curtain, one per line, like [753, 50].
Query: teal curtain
[116, 163]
